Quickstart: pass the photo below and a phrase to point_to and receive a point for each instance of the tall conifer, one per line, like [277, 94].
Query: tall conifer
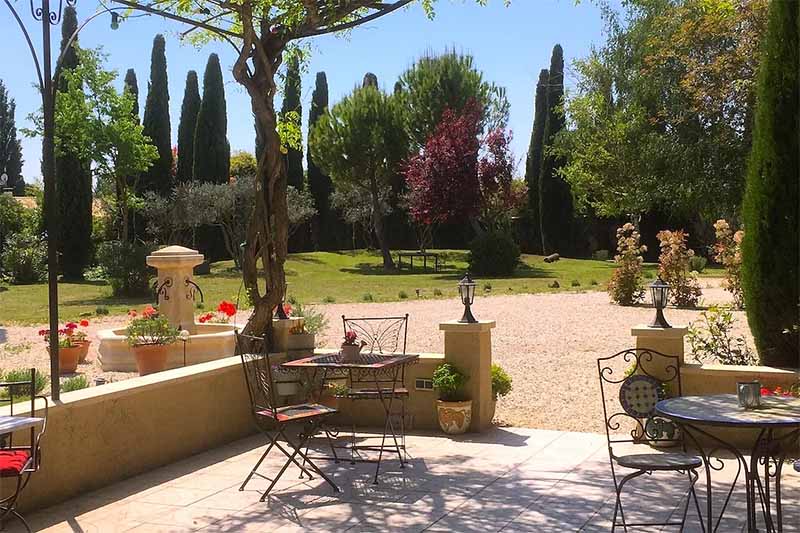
[156, 123]
[73, 179]
[292, 103]
[186, 128]
[555, 200]
[320, 184]
[132, 88]
[10, 147]
[212, 153]
[771, 250]
[533, 164]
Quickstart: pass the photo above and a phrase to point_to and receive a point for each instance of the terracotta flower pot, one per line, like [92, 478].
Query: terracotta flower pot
[150, 358]
[67, 359]
[84, 350]
[350, 352]
[454, 417]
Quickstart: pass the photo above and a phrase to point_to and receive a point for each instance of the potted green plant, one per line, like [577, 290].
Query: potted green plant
[79, 337]
[453, 408]
[69, 349]
[150, 335]
[333, 393]
[501, 385]
[302, 336]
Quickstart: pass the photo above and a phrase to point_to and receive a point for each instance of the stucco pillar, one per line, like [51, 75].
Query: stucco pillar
[668, 341]
[176, 288]
[469, 348]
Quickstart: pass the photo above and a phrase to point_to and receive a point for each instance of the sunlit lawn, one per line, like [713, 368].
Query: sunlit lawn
[324, 277]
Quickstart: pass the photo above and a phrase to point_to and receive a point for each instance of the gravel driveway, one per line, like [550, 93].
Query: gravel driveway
[548, 343]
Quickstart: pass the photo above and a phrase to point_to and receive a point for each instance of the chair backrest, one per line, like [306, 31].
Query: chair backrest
[254, 353]
[631, 383]
[21, 399]
[386, 334]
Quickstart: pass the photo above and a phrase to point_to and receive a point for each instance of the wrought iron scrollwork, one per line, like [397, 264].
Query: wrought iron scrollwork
[194, 288]
[54, 16]
[161, 290]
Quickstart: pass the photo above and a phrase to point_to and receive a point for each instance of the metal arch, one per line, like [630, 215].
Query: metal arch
[30, 44]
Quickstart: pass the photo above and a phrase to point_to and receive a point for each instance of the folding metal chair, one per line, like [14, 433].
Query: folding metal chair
[273, 420]
[18, 461]
[631, 383]
[383, 335]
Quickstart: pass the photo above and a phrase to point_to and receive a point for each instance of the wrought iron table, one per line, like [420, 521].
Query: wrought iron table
[776, 422]
[382, 370]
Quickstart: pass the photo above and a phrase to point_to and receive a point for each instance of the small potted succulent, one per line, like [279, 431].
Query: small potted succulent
[501, 385]
[351, 346]
[453, 408]
[302, 336]
[69, 349]
[150, 335]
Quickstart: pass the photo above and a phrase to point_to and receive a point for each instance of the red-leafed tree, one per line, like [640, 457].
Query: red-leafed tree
[448, 181]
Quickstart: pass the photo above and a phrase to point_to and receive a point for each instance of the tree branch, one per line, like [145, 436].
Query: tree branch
[385, 10]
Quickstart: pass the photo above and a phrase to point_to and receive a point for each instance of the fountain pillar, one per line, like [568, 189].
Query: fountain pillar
[175, 288]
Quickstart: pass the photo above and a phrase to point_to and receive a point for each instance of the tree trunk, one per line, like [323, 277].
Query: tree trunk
[377, 226]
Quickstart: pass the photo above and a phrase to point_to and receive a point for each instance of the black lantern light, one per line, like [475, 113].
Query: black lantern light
[659, 291]
[466, 289]
[280, 313]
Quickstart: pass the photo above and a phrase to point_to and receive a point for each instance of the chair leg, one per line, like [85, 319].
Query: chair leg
[9, 504]
[258, 464]
[618, 502]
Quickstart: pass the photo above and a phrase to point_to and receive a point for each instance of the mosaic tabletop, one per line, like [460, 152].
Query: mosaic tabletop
[724, 410]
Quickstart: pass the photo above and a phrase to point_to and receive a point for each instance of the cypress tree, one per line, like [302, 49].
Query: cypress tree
[555, 201]
[291, 102]
[132, 87]
[370, 79]
[10, 147]
[73, 179]
[533, 164]
[319, 184]
[187, 126]
[770, 250]
[212, 153]
[156, 123]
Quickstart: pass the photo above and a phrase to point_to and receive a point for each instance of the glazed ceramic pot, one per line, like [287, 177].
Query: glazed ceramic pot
[454, 417]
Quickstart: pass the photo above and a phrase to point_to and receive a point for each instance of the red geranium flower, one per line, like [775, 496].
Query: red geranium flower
[226, 308]
[71, 325]
[205, 318]
[765, 391]
[132, 313]
[84, 323]
[43, 332]
[149, 311]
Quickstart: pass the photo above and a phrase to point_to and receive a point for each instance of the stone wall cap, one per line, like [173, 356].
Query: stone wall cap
[475, 327]
[643, 330]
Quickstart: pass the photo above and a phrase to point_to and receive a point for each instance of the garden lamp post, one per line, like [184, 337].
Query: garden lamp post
[280, 312]
[466, 289]
[50, 15]
[659, 291]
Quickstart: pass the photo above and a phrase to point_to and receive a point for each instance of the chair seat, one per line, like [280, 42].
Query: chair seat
[660, 461]
[362, 394]
[298, 412]
[13, 462]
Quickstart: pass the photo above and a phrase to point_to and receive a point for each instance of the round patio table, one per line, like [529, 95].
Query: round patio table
[775, 423]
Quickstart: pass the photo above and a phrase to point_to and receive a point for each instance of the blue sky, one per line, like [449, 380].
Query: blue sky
[509, 44]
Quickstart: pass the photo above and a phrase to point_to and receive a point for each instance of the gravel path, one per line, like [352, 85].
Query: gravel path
[548, 343]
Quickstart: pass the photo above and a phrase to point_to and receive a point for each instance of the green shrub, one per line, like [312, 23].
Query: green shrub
[493, 254]
[23, 375]
[554, 285]
[625, 286]
[697, 263]
[149, 330]
[125, 267]
[711, 339]
[25, 258]
[200, 306]
[402, 295]
[367, 297]
[314, 321]
[487, 287]
[437, 292]
[673, 267]
[575, 283]
[501, 382]
[329, 300]
[593, 283]
[449, 382]
[101, 310]
[74, 383]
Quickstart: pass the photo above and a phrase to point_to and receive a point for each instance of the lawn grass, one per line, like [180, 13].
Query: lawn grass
[325, 277]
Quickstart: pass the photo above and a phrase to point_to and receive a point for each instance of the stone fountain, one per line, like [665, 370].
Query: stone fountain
[176, 292]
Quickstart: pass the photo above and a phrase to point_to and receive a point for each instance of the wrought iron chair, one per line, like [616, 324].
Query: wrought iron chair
[631, 383]
[20, 460]
[383, 335]
[272, 420]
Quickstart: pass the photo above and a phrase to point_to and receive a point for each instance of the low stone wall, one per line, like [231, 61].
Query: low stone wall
[101, 435]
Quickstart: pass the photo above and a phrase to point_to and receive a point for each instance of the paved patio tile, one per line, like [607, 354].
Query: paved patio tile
[509, 479]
